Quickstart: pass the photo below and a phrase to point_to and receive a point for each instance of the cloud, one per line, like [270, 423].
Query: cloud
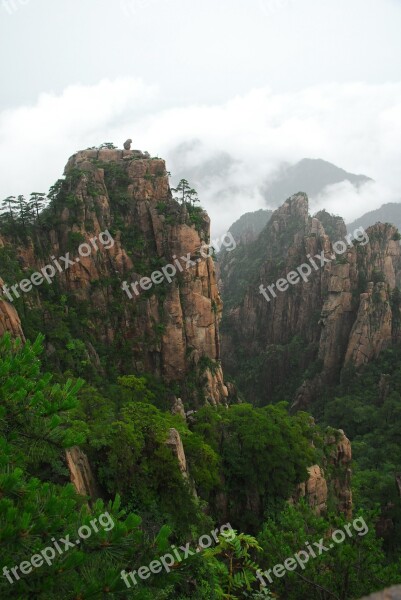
[35, 141]
[228, 149]
[345, 199]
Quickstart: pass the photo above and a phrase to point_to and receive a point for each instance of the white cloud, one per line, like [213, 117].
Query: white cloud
[356, 126]
[345, 199]
[35, 141]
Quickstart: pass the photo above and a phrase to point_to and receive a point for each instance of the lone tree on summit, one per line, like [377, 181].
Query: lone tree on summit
[186, 194]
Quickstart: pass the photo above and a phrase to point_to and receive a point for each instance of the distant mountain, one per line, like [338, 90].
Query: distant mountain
[310, 176]
[247, 228]
[388, 213]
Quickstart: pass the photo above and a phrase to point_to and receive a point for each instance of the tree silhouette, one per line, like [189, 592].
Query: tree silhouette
[186, 194]
[37, 203]
[8, 204]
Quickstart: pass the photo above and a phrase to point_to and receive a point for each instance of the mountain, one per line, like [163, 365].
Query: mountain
[309, 175]
[168, 331]
[249, 225]
[122, 391]
[312, 317]
[340, 315]
[387, 213]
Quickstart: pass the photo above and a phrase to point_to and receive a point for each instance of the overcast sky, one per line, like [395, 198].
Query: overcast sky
[233, 87]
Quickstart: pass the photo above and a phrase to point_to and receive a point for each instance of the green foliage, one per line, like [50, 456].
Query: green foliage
[186, 194]
[188, 197]
[197, 217]
[137, 387]
[203, 463]
[33, 408]
[107, 146]
[207, 364]
[367, 405]
[346, 571]
[20, 217]
[275, 374]
[264, 454]
[75, 238]
[237, 571]
[34, 430]
[378, 276]
[127, 445]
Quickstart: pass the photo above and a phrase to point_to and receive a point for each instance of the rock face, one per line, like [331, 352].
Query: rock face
[357, 317]
[343, 314]
[314, 490]
[372, 329]
[170, 330]
[332, 480]
[81, 473]
[174, 442]
[339, 467]
[9, 319]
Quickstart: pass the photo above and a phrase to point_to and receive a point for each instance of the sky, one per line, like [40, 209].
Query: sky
[225, 91]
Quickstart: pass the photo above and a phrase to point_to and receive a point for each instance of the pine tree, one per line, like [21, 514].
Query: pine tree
[8, 204]
[34, 514]
[186, 194]
[37, 203]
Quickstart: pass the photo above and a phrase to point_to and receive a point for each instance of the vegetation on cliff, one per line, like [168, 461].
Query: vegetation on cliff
[117, 370]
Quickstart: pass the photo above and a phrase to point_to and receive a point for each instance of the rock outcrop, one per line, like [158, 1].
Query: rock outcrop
[343, 314]
[339, 467]
[330, 481]
[81, 473]
[314, 490]
[9, 318]
[170, 330]
[175, 444]
[372, 329]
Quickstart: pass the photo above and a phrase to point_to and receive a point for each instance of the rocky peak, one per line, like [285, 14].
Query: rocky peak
[333, 225]
[172, 330]
[344, 313]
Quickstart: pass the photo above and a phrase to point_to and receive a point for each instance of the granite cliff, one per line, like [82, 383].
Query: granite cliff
[171, 330]
[344, 314]
[9, 319]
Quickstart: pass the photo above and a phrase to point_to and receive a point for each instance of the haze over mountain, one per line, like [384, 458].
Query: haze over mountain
[247, 228]
[226, 184]
[388, 213]
[309, 175]
[164, 428]
[233, 409]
